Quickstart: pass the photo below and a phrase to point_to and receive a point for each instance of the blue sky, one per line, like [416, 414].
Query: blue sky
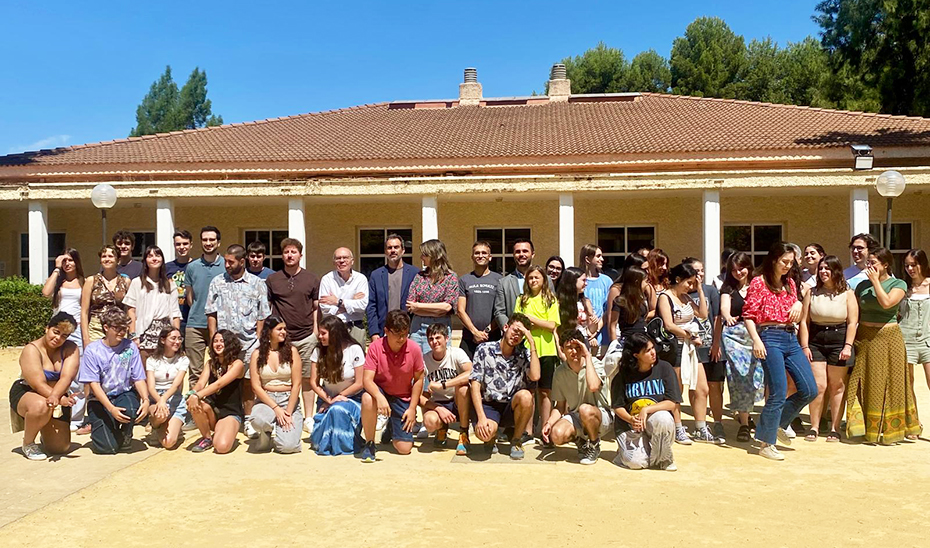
[74, 72]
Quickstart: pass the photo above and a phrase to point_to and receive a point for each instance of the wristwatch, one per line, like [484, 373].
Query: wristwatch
[443, 385]
[339, 304]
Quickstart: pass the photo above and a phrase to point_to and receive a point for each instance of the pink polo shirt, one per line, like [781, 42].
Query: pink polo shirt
[394, 371]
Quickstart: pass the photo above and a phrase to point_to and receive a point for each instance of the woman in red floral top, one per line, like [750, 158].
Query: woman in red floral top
[433, 293]
[771, 311]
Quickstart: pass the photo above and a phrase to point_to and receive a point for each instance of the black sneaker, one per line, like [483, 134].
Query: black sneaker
[386, 434]
[592, 450]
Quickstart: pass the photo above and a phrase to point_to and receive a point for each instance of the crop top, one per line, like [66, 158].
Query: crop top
[869, 309]
[763, 306]
[828, 308]
[281, 377]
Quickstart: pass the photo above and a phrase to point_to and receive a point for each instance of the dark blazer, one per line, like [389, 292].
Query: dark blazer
[377, 308]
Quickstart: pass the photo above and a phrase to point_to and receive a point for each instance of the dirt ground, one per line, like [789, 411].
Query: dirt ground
[821, 495]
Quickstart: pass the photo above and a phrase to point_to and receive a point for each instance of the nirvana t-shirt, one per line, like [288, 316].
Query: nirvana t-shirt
[633, 390]
[451, 365]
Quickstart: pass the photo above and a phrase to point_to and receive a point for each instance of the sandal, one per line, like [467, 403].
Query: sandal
[833, 436]
[811, 435]
[743, 434]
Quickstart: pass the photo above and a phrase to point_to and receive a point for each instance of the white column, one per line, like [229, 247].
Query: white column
[712, 230]
[858, 211]
[38, 242]
[164, 227]
[567, 228]
[296, 225]
[430, 218]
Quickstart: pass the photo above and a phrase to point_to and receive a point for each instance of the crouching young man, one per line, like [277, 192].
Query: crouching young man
[581, 392]
[393, 375]
[445, 399]
[499, 377]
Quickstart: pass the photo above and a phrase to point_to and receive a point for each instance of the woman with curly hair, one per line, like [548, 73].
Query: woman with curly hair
[215, 401]
[657, 266]
[336, 374]
[275, 375]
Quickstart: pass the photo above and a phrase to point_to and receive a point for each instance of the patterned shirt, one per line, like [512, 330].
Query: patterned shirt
[423, 290]
[238, 305]
[500, 377]
[763, 306]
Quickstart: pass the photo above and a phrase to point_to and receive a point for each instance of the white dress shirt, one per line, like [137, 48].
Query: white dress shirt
[333, 284]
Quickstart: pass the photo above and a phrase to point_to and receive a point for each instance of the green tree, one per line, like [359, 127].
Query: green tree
[807, 75]
[598, 70]
[708, 60]
[763, 74]
[879, 49]
[649, 71]
[164, 108]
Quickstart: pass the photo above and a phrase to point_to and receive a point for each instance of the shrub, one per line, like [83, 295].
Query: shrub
[23, 311]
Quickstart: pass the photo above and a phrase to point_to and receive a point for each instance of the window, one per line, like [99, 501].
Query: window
[272, 240]
[56, 245]
[901, 241]
[616, 242]
[371, 247]
[143, 240]
[501, 240]
[753, 239]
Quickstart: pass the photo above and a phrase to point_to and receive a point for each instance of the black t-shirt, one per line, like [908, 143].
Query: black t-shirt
[627, 329]
[629, 388]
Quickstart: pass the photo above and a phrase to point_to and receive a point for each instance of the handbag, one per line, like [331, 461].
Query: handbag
[665, 342]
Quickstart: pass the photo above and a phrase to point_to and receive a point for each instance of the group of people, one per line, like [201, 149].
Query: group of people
[549, 355]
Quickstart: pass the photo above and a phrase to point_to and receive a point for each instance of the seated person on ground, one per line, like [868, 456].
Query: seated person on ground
[40, 401]
[644, 394]
[581, 392]
[336, 373]
[446, 397]
[215, 401]
[165, 371]
[501, 373]
[275, 376]
[392, 364]
[113, 368]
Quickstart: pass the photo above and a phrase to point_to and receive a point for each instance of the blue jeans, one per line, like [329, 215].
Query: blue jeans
[107, 435]
[783, 356]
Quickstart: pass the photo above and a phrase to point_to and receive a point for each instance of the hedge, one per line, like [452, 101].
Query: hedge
[23, 311]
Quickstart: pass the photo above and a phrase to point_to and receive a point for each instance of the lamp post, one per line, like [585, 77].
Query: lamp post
[889, 184]
[104, 197]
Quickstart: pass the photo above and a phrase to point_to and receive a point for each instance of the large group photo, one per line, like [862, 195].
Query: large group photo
[423, 274]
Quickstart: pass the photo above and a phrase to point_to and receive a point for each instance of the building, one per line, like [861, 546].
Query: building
[625, 170]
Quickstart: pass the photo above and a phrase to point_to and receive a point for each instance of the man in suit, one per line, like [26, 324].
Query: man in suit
[388, 286]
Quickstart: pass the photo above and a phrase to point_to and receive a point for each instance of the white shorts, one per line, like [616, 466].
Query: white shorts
[607, 423]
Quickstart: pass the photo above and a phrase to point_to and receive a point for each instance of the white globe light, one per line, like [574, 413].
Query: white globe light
[103, 196]
[890, 184]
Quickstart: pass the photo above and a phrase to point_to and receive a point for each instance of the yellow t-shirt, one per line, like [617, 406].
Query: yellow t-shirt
[544, 339]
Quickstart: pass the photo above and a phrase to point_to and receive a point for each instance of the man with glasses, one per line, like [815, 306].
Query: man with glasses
[344, 293]
[477, 291]
[860, 247]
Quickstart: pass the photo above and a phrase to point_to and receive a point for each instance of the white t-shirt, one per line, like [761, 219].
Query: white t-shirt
[166, 370]
[450, 367]
[352, 357]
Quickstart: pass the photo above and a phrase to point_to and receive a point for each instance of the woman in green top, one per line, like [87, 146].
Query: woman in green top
[880, 402]
[542, 308]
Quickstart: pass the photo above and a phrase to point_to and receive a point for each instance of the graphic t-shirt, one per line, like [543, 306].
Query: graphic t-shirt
[633, 390]
[451, 365]
[116, 368]
[479, 293]
[176, 272]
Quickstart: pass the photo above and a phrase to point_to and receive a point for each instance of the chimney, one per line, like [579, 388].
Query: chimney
[470, 89]
[560, 87]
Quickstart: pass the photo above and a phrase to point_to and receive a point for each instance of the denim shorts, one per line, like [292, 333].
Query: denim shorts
[177, 405]
[398, 408]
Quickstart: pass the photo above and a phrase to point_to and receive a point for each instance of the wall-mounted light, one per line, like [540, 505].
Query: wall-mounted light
[863, 156]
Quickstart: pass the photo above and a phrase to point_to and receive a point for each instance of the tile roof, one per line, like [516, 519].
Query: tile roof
[644, 124]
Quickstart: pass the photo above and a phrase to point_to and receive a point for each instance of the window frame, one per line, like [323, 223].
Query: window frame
[626, 239]
[503, 240]
[752, 237]
[269, 255]
[359, 256]
[52, 255]
[898, 254]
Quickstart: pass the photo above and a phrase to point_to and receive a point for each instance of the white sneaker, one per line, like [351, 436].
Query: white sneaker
[34, 452]
[382, 422]
[671, 467]
[308, 426]
[790, 432]
[421, 431]
[783, 437]
[770, 452]
[249, 431]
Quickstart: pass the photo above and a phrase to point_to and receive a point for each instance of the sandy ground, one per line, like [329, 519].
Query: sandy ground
[821, 495]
